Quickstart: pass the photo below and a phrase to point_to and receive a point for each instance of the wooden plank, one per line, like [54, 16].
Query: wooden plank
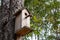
[23, 31]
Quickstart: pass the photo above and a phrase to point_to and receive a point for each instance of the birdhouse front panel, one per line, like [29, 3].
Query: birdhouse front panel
[25, 21]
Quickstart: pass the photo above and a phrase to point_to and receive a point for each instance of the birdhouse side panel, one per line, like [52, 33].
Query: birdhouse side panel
[18, 22]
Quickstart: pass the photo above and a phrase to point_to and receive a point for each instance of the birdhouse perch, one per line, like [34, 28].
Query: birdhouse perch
[22, 22]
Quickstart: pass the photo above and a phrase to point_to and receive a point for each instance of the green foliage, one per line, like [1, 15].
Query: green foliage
[46, 17]
[51, 37]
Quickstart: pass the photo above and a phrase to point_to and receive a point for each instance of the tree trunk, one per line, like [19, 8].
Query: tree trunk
[7, 23]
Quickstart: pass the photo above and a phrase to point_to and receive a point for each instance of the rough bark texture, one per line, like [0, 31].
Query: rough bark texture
[7, 23]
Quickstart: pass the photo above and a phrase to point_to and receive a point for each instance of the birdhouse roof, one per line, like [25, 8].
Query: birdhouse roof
[19, 11]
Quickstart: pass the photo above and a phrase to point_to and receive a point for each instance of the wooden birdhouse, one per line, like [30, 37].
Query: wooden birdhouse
[22, 22]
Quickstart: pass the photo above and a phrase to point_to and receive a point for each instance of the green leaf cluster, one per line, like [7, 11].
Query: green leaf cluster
[46, 18]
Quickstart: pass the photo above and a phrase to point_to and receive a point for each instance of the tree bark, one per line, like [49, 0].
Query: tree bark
[7, 26]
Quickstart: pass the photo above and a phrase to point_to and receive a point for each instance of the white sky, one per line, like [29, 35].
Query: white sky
[58, 0]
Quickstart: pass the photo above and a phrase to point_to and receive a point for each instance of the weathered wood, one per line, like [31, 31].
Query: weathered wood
[9, 7]
[4, 11]
[16, 5]
[4, 20]
[24, 31]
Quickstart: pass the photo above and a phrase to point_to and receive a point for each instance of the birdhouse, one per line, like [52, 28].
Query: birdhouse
[22, 22]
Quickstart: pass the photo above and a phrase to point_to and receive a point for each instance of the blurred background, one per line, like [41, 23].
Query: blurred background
[45, 20]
